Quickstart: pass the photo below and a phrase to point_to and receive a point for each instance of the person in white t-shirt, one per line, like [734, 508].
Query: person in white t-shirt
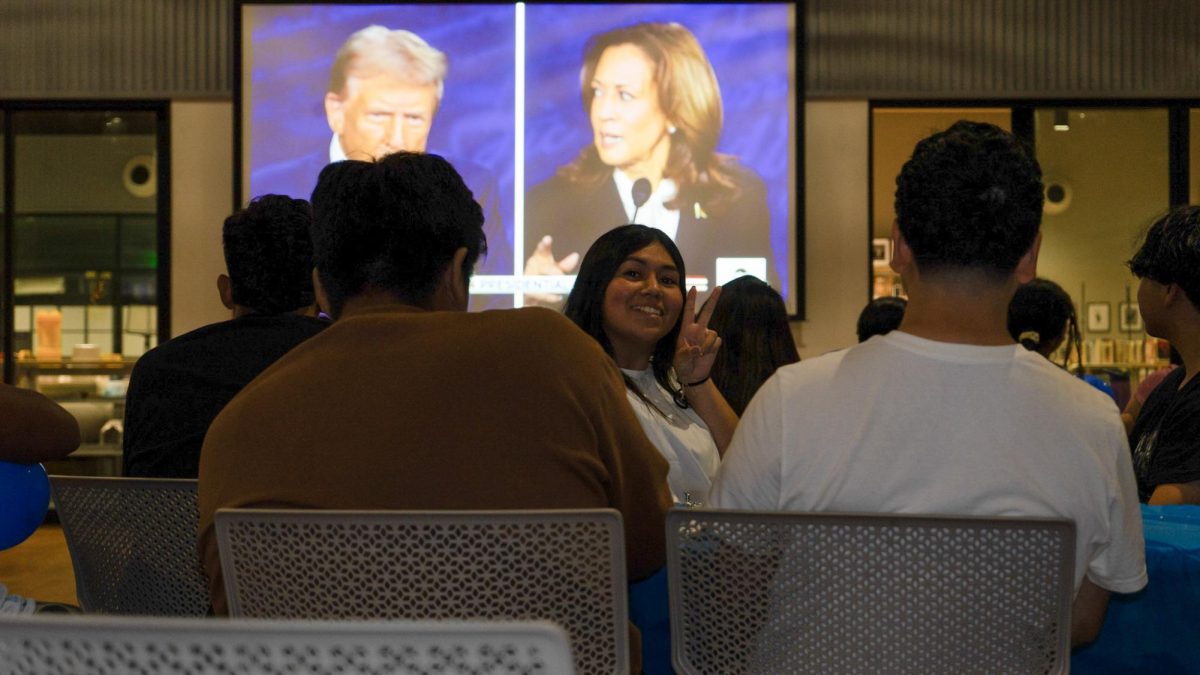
[947, 415]
[629, 297]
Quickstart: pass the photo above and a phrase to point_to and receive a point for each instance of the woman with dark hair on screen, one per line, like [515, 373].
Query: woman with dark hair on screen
[1041, 316]
[655, 109]
[629, 297]
[756, 339]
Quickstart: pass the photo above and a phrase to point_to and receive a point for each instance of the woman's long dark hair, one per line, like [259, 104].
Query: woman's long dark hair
[756, 340]
[585, 304]
[1039, 314]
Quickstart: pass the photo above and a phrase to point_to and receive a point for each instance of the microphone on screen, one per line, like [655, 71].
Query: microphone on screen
[641, 193]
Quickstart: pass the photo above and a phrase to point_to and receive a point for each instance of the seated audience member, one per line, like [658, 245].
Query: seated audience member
[946, 415]
[755, 339]
[1166, 436]
[1041, 317]
[1148, 384]
[407, 401]
[177, 388]
[629, 297]
[880, 317]
[35, 429]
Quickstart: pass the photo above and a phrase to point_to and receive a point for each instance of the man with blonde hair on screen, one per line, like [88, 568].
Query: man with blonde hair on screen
[384, 90]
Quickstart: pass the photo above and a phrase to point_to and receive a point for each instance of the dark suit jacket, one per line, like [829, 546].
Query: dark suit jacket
[576, 218]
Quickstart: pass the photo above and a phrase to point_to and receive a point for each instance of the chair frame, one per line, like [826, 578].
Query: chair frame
[114, 645]
[683, 524]
[227, 519]
[95, 560]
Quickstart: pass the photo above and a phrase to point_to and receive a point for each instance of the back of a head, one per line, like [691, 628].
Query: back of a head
[1170, 252]
[969, 200]
[268, 254]
[392, 225]
[752, 322]
[880, 317]
[1039, 315]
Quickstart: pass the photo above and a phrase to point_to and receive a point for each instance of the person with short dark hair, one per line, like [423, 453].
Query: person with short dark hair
[1166, 435]
[946, 415]
[756, 339]
[409, 402]
[1041, 317]
[177, 388]
[880, 317]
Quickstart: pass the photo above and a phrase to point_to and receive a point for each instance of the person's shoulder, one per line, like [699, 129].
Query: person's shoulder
[747, 181]
[535, 323]
[183, 344]
[545, 335]
[555, 183]
[287, 323]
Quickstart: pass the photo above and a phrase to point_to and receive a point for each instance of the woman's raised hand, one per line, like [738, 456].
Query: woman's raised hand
[697, 346]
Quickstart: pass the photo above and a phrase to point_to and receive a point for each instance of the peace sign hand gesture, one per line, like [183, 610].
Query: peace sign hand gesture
[697, 346]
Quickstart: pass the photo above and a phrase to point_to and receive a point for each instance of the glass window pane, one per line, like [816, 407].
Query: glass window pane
[1194, 150]
[1107, 178]
[84, 245]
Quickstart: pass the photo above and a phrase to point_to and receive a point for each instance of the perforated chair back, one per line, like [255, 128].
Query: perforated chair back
[43, 645]
[567, 567]
[834, 593]
[133, 544]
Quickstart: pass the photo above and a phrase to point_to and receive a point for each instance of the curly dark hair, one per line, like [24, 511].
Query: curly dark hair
[1170, 252]
[970, 199]
[756, 340]
[880, 317]
[1040, 314]
[585, 304]
[269, 254]
[392, 225]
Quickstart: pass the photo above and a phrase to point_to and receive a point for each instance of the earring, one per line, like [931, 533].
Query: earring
[671, 129]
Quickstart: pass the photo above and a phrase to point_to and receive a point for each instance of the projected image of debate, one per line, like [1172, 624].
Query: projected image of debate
[564, 120]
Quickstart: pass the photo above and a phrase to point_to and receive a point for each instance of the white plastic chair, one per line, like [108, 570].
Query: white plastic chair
[110, 645]
[133, 544]
[567, 567]
[842, 593]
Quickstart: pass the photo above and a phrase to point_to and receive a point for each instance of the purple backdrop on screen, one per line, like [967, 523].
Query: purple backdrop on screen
[292, 50]
[748, 46]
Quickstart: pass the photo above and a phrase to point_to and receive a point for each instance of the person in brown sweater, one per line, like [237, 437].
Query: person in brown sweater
[409, 402]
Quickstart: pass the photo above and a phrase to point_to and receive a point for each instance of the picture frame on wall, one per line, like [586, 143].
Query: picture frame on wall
[1129, 317]
[881, 251]
[1099, 317]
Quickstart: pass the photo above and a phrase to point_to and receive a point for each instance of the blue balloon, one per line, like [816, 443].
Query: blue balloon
[24, 499]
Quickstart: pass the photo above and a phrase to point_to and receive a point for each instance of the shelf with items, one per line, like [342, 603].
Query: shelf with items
[885, 282]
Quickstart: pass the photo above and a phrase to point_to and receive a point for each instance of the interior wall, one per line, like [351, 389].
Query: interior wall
[201, 198]
[836, 224]
[90, 182]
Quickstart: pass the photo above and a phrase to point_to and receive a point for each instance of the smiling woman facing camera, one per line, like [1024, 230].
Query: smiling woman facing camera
[654, 105]
[629, 297]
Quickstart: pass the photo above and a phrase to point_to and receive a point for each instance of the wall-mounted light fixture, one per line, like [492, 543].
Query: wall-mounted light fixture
[1061, 123]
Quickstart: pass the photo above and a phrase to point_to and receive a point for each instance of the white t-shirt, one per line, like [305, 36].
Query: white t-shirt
[682, 438]
[901, 424]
